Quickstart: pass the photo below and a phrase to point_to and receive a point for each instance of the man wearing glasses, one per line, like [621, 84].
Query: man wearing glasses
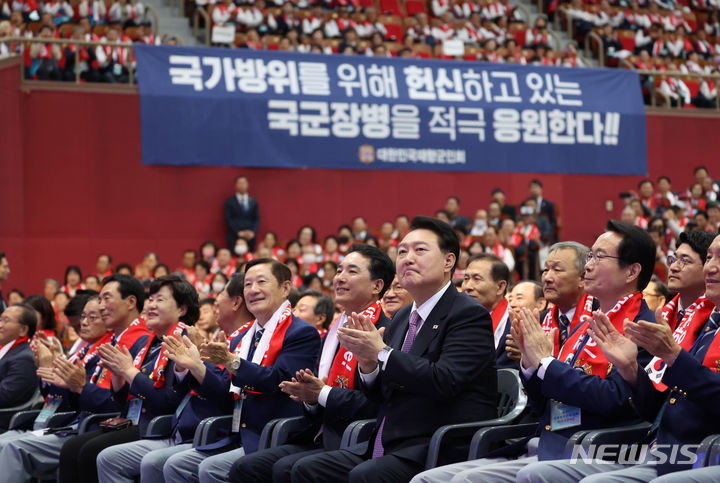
[686, 274]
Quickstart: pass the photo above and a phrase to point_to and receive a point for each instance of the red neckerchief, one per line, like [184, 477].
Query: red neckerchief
[498, 313]
[91, 351]
[342, 371]
[322, 333]
[237, 333]
[685, 334]
[158, 372]
[276, 340]
[18, 341]
[127, 339]
[583, 312]
[591, 359]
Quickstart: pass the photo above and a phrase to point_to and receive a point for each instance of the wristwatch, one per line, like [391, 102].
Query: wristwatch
[235, 364]
[384, 354]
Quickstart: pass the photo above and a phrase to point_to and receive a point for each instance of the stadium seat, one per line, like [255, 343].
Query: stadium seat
[391, 7]
[415, 6]
[511, 406]
[394, 27]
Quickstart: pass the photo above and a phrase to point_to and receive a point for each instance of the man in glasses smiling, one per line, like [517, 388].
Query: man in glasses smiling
[686, 274]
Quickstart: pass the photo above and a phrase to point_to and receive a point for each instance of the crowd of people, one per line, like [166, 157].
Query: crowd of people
[347, 330]
[665, 37]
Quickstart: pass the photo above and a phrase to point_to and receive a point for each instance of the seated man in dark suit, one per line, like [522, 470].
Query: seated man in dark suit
[682, 401]
[17, 364]
[579, 389]
[362, 279]
[434, 366]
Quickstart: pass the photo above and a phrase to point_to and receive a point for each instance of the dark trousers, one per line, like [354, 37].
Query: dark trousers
[270, 465]
[78, 455]
[344, 465]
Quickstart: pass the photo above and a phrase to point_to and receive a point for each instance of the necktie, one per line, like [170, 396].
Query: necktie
[378, 449]
[245, 202]
[564, 326]
[114, 340]
[680, 316]
[256, 341]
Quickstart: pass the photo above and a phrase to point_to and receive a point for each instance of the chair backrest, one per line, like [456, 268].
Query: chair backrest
[513, 400]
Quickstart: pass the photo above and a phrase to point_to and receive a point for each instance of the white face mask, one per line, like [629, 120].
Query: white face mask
[308, 258]
[241, 249]
[218, 287]
[480, 223]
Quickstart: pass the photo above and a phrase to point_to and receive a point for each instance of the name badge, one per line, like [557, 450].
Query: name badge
[237, 413]
[134, 408]
[48, 409]
[563, 416]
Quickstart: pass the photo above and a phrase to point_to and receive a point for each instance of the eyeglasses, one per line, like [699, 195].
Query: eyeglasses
[90, 318]
[682, 260]
[597, 258]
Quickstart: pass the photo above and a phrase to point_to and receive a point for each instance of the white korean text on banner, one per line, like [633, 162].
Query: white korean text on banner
[241, 107]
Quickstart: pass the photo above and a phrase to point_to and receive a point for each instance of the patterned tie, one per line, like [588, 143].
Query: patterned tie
[256, 341]
[378, 449]
[564, 326]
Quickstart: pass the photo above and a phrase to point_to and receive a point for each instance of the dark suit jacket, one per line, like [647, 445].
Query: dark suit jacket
[343, 407]
[95, 399]
[237, 218]
[603, 402]
[300, 350]
[447, 377]
[18, 380]
[156, 401]
[503, 361]
[694, 411]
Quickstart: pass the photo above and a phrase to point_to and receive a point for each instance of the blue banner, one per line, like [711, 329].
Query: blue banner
[241, 107]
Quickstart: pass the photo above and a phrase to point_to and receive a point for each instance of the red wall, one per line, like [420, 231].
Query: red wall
[72, 186]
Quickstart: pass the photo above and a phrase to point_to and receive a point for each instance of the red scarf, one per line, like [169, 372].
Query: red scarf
[158, 373]
[685, 334]
[127, 339]
[583, 313]
[498, 313]
[591, 359]
[17, 342]
[276, 341]
[91, 351]
[342, 371]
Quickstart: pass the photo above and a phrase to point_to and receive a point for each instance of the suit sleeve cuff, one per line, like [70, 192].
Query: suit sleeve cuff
[323, 396]
[544, 364]
[369, 379]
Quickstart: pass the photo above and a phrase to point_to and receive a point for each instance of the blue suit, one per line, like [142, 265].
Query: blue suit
[692, 403]
[603, 402]
[343, 406]
[300, 350]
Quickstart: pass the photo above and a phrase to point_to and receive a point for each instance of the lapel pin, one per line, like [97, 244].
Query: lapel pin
[435, 327]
